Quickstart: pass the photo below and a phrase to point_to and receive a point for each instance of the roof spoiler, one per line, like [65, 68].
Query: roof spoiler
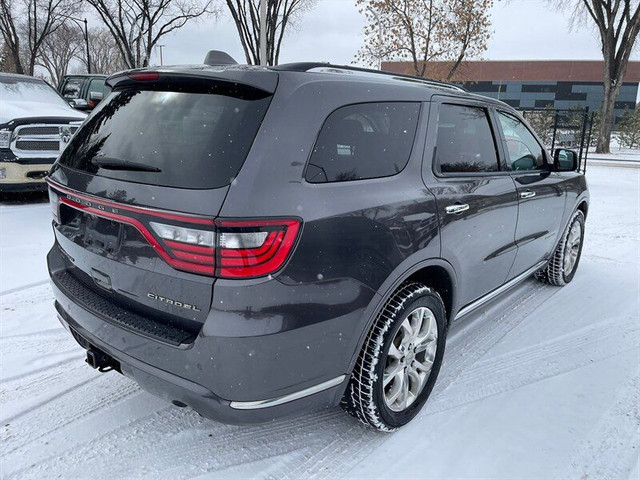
[217, 57]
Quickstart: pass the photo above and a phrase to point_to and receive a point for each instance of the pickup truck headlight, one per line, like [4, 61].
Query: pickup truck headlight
[5, 138]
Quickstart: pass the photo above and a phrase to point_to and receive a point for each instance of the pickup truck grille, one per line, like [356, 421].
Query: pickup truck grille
[42, 130]
[41, 140]
[38, 145]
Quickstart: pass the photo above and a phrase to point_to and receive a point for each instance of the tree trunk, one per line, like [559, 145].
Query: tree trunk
[606, 123]
[17, 62]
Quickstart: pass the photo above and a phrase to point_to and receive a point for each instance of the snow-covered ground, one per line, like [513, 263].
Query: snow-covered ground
[617, 155]
[543, 384]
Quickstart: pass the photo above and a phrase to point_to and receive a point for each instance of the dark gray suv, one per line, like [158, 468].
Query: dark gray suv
[253, 242]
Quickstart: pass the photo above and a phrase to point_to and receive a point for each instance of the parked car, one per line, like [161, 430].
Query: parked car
[35, 125]
[255, 242]
[85, 91]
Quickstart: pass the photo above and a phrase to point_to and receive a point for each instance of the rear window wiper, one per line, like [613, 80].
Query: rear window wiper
[117, 164]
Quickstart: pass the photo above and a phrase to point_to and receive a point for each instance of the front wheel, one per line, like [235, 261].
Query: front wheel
[564, 262]
[400, 359]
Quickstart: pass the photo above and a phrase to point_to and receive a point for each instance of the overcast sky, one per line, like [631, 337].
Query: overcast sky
[332, 31]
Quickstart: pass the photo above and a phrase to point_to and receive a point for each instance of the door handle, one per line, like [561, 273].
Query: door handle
[457, 208]
[527, 194]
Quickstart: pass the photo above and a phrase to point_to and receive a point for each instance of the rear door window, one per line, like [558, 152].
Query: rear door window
[367, 140]
[465, 142]
[98, 85]
[71, 89]
[185, 139]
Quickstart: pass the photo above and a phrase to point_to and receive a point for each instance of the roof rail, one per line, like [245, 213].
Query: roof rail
[324, 67]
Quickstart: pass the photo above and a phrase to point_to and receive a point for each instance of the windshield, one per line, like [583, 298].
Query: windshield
[170, 138]
[28, 90]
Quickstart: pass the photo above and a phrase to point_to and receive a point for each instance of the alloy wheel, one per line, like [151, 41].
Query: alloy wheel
[410, 359]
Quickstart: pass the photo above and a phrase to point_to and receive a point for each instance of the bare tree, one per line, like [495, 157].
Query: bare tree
[138, 25]
[59, 49]
[422, 31]
[281, 16]
[104, 52]
[26, 25]
[4, 56]
[9, 29]
[618, 24]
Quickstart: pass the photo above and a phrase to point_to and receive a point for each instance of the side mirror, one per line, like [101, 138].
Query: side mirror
[565, 160]
[94, 99]
[79, 104]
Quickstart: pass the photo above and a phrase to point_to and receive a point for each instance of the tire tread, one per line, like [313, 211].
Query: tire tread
[358, 399]
[553, 272]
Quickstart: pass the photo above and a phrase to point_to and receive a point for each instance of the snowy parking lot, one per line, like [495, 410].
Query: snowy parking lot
[542, 383]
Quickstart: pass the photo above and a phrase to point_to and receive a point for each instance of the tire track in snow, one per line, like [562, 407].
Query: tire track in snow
[50, 361]
[40, 333]
[25, 394]
[84, 400]
[537, 362]
[482, 331]
[181, 444]
[39, 351]
[611, 450]
[468, 342]
[335, 458]
[21, 288]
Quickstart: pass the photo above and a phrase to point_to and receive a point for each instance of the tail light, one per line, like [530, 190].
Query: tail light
[222, 248]
[144, 76]
[253, 248]
[192, 249]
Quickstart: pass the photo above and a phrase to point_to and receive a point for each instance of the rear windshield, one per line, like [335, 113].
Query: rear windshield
[181, 139]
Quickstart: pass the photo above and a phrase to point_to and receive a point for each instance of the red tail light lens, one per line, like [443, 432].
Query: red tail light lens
[253, 248]
[144, 76]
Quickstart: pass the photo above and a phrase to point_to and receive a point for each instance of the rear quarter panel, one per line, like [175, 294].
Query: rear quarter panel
[358, 237]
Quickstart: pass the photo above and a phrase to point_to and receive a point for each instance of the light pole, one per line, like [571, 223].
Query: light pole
[85, 33]
[263, 32]
[86, 43]
[379, 20]
[161, 47]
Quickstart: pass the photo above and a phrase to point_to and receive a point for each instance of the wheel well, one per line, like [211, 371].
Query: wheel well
[439, 279]
[583, 207]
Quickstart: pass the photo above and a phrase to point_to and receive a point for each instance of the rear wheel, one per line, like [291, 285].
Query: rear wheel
[400, 359]
[564, 262]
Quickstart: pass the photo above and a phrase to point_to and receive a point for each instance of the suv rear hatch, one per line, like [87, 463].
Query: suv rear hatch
[136, 192]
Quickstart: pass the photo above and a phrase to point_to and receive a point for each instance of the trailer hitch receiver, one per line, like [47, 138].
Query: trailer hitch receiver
[101, 361]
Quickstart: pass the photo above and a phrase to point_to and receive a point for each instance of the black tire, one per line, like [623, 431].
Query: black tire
[364, 397]
[554, 273]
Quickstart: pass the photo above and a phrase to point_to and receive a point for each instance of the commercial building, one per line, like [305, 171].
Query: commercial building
[561, 84]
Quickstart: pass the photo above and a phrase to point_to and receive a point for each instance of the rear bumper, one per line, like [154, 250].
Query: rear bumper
[181, 391]
[239, 369]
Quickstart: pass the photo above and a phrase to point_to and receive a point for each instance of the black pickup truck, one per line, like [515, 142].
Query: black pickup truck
[84, 91]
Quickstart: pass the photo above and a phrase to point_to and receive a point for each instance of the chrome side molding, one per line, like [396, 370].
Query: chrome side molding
[272, 402]
[494, 293]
